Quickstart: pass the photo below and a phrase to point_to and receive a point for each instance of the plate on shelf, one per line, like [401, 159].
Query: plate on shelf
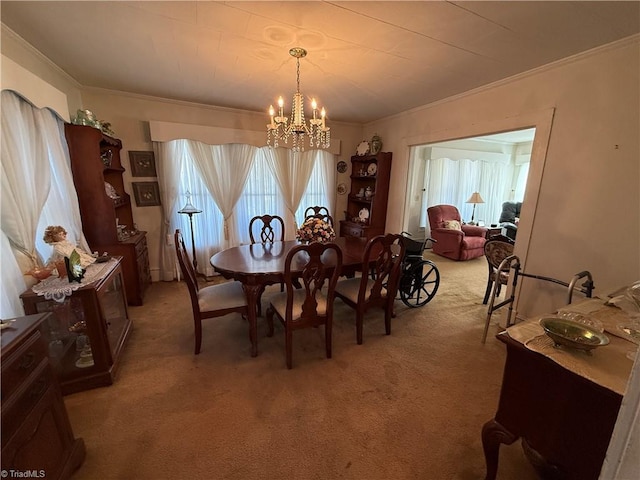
[363, 148]
[342, 166]
[111, 191]
[372, 169]
[363, 215]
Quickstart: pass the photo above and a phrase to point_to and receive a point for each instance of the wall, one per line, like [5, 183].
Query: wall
[587, 214]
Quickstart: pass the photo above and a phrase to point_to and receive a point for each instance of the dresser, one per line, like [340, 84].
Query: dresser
[36, 433]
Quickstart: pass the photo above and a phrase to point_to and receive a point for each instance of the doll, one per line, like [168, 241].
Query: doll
[56, 236]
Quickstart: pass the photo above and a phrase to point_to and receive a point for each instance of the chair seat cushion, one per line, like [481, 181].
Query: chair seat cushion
[350, 288]
[279, 304]
[221, 296]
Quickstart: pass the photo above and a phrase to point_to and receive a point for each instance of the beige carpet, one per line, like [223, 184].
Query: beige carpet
[406, 406]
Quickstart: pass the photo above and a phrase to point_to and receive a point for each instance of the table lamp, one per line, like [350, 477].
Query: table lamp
[475, 198]
[190, 210]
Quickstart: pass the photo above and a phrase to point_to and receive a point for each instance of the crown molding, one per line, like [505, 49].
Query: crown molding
[39, 55]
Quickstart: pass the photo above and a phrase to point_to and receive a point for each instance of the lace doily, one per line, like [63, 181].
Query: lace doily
[55, 288]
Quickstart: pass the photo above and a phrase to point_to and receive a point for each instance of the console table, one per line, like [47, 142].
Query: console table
[564, 415]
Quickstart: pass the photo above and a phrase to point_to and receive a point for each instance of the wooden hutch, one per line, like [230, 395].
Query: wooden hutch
[104, 204]
[366, 212]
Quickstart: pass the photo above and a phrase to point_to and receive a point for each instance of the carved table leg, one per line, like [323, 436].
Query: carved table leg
[494, 434]
[253, 293]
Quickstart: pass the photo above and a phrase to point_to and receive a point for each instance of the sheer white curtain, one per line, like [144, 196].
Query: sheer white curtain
[24, 153]
[170, 157]
[453, 181]
[37, 190]
[224, 170]
[261, 196]
[179, 172]
[291, 171]
[321, 186]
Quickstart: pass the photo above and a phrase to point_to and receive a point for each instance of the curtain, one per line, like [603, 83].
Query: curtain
[291, 171]
[189, 166]
[453, 181]
[224, 170]
[261, 195]
[24, 193]
[37, 190]
[170, 157]
[321, 186]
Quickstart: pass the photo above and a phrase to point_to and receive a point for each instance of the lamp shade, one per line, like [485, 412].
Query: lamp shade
[475, 198]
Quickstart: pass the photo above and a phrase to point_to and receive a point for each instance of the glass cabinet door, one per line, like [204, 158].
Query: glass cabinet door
[114, 312]
[68, 336]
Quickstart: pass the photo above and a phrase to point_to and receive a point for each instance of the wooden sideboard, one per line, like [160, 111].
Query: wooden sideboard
[36, 433]
[564, 419]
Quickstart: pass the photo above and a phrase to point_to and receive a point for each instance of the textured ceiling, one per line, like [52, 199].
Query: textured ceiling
[366, 60]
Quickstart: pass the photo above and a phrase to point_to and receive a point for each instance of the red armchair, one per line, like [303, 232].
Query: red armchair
[453, 239]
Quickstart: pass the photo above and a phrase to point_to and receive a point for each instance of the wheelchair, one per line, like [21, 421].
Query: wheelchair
[420, 278]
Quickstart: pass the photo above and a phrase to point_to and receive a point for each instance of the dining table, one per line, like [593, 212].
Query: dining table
[261, 264]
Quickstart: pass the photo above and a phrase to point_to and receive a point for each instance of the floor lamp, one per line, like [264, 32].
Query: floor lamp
[475, 198]
[190, 210]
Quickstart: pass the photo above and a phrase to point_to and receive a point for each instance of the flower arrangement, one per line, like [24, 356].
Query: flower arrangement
[315, 230]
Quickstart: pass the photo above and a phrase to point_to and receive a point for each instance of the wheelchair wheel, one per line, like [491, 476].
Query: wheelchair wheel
[419, 283]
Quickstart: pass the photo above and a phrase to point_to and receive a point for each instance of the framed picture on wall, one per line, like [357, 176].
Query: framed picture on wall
[143, 164]
[147, 194]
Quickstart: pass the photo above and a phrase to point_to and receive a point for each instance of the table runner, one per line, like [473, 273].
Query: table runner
[56, 288]
[608, 366]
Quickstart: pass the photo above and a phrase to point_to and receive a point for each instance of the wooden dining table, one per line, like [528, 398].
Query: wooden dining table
[261, 264]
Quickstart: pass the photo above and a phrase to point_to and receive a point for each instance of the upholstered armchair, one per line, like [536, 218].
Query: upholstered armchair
[454, 239]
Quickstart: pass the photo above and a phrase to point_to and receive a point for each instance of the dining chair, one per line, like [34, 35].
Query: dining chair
[319, 212]
[495, 251]
[378, 284]
[269, 226]
[210, 301]
[311, 305]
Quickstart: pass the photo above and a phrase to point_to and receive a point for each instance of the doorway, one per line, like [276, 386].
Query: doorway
[489, 169]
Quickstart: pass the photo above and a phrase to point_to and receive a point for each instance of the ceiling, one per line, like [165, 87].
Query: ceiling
[366, 60]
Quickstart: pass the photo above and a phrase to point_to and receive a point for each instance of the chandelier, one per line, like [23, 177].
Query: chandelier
[281, 128]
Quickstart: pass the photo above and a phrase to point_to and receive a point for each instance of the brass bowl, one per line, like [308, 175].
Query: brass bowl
[573, 334]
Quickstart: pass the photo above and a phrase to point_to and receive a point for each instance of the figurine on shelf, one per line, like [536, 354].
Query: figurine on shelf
[56, 236]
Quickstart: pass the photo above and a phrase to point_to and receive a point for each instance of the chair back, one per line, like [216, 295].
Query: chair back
[381, 268]
[188, 272]
[269, 226]
[319, 212]
[496, 250]
[321, 264]
[438, 214]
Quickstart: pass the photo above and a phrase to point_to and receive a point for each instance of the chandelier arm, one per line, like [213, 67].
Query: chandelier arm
[280, 129]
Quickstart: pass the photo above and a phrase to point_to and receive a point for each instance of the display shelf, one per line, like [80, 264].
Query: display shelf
[86, 332]
[366, 211]
[95, 162]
